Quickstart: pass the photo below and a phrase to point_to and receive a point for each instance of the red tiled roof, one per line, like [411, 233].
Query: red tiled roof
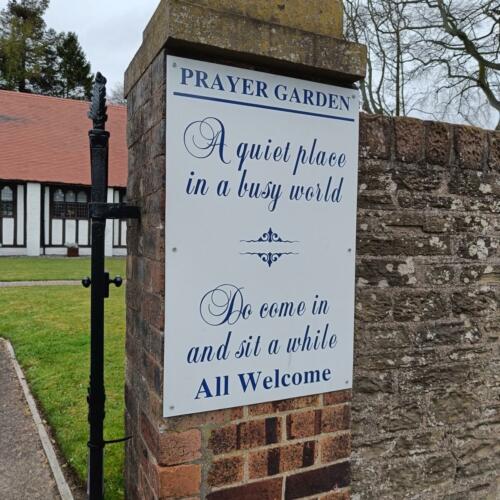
[45, 139]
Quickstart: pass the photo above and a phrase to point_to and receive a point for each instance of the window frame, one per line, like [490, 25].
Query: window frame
[16, 199]
[13, 202]
[122, 198]
[68, 210]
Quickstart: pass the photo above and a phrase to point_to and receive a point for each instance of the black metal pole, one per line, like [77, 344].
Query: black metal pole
[99, 139]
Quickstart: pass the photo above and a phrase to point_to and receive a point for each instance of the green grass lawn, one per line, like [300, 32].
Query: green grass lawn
[49, 329]
[54, 268]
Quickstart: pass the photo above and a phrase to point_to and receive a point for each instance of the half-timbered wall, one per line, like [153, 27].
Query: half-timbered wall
[66, 216]
[12, 215]
[119, 226]
[45, 219]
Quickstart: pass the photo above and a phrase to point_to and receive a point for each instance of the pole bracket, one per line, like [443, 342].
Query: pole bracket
[102, 444]
[117, 281]
[99, 210]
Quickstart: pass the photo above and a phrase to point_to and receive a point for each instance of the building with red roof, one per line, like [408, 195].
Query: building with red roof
[45, 175]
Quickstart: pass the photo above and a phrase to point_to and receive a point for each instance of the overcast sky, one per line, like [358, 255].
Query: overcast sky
[110, 31]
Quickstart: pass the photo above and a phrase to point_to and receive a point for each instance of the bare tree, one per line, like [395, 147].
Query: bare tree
[116, 95]
[429, 57]
[385, 27]
[463, 53]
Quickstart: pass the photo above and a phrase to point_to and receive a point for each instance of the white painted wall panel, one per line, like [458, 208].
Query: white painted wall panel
[124, 233]
[70, 232]
[108, 238]
[57, 232]
[64, 251]
[46, 213]
[33, 217]
[8, 230]
[4, 251]
[20, 215]
[83, 232]
[116, 232]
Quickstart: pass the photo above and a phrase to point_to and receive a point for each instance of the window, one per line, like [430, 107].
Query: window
[66, 204]
[119, 225]
[6, 202]
[58, 195]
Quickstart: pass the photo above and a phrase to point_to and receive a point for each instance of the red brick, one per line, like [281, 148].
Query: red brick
[337, 397]
[297, 456]
[336, 418]
[261, 409]
[216, 417]
[152, 215]
[261, 490]
[155, 405]
[292, 457]
[281, 459]
[148, 468]
[252, 434]
[257, 464]
[258, 433]
[316, 481]
[334, 448]
[226, 471]
[149, 434]
[303, 424]
[152, 309]
[178, 448]
[224, 439]
[154, 275]
[153, 373]
[146, 492]
[179, 481]
[284, 405]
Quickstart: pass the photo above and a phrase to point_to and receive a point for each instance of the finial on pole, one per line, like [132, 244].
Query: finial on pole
[97, 112]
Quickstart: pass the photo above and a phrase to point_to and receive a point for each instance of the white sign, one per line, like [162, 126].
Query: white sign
[261, 181]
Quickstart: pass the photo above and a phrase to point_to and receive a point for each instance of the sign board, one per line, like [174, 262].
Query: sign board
[261, 181]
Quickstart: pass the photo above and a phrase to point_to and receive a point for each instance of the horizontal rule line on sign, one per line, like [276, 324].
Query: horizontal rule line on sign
[263, 106]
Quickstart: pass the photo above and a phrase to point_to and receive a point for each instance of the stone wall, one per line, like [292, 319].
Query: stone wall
[426, 396]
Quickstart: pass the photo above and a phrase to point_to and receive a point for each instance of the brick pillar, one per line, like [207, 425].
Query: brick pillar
[294, 448]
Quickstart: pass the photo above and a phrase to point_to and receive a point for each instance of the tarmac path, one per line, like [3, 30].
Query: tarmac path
[8, 284]
[24, 470]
